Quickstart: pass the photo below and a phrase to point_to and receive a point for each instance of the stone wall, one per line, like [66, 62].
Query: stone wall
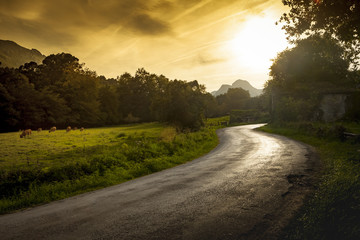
[333, 106]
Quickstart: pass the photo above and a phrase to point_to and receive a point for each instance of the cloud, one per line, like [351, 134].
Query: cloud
[33, 31]
[138, 17]
[182, 38]
[134, 16]
[191, 9]
[205, 59]
[147, 25]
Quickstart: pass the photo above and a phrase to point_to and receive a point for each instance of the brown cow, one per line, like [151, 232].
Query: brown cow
[81, 129]
[25, 133]
[68, 129]
[39, 129]
[75, 128]
[53, 129]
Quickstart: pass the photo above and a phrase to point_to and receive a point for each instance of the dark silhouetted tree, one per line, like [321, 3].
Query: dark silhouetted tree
[182, 103]
[300, 74]
[234, 98]
[109, 104]
[61, 92]
[18, 100]
[333, 18]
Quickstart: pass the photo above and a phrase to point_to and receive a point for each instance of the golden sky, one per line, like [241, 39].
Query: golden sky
[213, 41]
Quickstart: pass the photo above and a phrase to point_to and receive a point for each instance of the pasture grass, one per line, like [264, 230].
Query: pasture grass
[49, 149]
[333, 210]
[51, 166]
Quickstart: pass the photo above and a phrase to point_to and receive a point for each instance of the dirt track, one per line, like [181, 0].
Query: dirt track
[246, 188]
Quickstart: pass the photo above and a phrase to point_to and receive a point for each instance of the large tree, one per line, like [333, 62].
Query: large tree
[182, 103]
[300, 75]
[23, 106]
[314, 64]
[336, 18]
[234, 98]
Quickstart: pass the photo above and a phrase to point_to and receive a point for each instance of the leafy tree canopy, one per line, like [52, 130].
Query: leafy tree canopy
[336, 18]
[62, 62]
[315, 64]
[61, 92]
[301, 75]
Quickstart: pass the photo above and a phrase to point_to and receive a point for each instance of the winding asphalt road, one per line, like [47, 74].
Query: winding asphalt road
[247, 188]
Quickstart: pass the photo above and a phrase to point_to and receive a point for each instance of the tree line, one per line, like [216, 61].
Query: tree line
[63, 92]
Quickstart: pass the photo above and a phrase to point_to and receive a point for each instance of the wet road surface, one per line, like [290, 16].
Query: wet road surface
[247, 188]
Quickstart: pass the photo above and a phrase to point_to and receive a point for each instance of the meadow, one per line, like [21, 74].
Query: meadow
[59, 147]
[50, 166]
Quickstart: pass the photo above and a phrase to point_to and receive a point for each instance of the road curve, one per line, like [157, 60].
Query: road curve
[248, 187]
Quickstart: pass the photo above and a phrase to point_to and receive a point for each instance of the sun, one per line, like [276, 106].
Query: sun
[257, 42]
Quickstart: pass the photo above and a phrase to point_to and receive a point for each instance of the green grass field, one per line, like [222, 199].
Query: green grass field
[59, 147]
[51, 166]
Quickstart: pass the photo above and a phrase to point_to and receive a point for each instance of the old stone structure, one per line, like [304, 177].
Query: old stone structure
[333, 106]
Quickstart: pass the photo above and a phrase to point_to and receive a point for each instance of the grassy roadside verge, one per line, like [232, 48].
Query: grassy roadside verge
[333, 211]
[113, 156]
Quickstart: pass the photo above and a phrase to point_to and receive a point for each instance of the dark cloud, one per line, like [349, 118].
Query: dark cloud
[142, 17]
[205, 59]
[163, 5]
[66, 15]
[13, 6]
[133, 15]
[19, 29]
[59, 23]
[147, 25]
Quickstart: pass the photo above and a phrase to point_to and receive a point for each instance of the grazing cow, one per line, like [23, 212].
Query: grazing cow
[25, 133]
[68, 129]
[75, 128]
[81, 129]
[53, 129]
[39, 129]
[22, 134]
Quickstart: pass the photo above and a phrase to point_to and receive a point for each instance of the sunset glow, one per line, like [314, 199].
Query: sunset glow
[257, 42]
[214, 42]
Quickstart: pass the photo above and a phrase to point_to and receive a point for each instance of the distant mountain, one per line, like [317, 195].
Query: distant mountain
[14, 55]
[238, 84]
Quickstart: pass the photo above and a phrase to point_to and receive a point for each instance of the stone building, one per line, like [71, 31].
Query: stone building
[333, 105]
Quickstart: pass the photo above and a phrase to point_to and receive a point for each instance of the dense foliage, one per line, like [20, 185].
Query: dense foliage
[61, 92]
[301, 75]
[332, 18]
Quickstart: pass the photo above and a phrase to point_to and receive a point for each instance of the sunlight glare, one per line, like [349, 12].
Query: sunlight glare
[258, 41]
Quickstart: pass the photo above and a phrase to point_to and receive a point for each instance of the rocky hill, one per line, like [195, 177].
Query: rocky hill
[14, 55]
[238, 84]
